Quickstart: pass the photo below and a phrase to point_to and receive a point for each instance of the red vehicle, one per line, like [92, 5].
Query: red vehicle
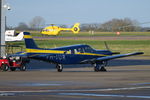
[4, 64]
[13, 63]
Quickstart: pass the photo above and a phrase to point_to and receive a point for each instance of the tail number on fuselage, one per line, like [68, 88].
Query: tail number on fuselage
[57, 57]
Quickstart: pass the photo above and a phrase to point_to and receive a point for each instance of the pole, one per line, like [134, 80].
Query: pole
[2, 28]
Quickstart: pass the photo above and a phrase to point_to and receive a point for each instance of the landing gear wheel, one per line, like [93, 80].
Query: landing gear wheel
[12, 68]
[100, 66]
[96, 69]
[59, 67]
[5, 67]
[103, 69]
[22, 67]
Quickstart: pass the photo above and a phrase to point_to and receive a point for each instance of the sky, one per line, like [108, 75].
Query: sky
[69, 12]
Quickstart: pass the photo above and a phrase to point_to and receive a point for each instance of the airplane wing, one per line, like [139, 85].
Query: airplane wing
[106, 58]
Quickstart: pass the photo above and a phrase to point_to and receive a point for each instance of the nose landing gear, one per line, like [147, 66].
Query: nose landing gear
[59, 67]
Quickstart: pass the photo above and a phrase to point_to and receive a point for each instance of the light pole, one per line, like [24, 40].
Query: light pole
[3, 8]
[2, 28]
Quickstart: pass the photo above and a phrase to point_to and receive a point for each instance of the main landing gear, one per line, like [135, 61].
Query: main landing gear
[59, 67]
[100, 66]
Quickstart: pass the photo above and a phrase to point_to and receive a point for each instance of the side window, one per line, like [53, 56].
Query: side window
[69, 52]
[81, 50]
[65, 52]
[72, 51]
[75, 51]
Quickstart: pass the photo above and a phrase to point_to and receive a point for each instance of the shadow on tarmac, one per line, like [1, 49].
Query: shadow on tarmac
[35, 64]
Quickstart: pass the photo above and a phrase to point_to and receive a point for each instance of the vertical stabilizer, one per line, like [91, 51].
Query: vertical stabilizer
[29, 42]
[75, 28]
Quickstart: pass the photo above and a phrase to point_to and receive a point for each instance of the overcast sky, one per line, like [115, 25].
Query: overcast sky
[70, 11]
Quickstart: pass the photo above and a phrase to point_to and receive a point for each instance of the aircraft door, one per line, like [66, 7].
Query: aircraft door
[71, 56]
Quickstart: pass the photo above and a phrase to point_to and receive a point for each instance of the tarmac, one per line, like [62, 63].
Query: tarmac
[125, 79]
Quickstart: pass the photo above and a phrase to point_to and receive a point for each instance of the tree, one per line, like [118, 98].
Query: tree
[22, 26]
[89, 27]
[37, 23]
[125, 24]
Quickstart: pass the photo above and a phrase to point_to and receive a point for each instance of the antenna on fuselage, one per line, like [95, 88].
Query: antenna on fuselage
[106, 45]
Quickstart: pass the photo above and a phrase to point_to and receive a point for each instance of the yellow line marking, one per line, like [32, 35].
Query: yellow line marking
[59, 52]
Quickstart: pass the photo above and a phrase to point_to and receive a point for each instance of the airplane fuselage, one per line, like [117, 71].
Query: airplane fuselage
[74, 54]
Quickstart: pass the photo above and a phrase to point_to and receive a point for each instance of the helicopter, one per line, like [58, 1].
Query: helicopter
[55, 30]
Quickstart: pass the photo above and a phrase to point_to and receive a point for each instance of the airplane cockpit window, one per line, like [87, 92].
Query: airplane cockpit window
[88, 49]
[81, 50]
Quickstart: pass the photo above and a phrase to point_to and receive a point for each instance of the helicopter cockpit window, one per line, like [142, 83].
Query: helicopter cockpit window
[45, 30]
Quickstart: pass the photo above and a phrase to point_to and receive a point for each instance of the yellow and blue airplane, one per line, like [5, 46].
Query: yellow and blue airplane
[55, 30]
[74, 54]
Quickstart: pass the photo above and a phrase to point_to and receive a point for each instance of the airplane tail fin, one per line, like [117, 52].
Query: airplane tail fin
[19, 36]
[75, 28]
[29, 42]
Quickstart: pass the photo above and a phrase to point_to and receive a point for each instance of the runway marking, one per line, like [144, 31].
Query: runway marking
[105, 95]
[81, 90]
[7, 94]
[146, 83]
[108, 89]
[40, 84]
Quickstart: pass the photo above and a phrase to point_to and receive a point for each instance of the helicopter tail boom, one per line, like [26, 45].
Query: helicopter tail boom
[75, 29]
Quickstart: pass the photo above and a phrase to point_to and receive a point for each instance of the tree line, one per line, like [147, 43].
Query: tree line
[113, 25]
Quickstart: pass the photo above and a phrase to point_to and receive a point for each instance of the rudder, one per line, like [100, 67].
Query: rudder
[75, 28]
[29, 42]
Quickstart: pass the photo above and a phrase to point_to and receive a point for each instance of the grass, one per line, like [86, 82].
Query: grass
[87, 34]
[123, 46]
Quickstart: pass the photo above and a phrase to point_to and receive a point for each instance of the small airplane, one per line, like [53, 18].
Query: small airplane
[55, 30]
[19, 37]
[74, 54]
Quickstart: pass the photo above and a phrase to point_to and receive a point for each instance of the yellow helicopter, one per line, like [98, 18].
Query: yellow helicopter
[55, 30]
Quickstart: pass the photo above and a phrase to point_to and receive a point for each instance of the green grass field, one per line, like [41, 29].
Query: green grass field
[87, 34]
[123, 46]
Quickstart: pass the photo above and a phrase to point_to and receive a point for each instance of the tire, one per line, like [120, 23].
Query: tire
[22, 68]
[59, 67]
[104, 63]
[99, 67]
[96, 69]
[5, 67]
[12, 68]
[103, 69]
